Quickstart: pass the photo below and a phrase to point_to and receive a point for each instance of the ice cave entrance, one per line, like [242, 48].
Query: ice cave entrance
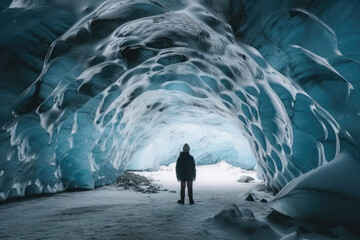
[210, 144]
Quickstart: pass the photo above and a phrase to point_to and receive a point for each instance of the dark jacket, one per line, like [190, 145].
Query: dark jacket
[185, 167]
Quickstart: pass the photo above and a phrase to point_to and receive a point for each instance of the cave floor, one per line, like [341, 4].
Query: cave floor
[111, 212]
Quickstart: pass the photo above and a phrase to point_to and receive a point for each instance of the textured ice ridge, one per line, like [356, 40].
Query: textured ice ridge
[92, 88]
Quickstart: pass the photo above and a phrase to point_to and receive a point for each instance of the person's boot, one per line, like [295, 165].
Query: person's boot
[182, 196]
[191, 199]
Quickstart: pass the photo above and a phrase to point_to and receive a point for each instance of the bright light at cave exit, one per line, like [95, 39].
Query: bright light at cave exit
[208, 145]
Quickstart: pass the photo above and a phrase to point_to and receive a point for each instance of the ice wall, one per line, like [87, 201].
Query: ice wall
[314, 45]
[122, 81]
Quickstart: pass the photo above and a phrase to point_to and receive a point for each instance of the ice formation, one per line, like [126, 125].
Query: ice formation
[244, 221]
[90, 88]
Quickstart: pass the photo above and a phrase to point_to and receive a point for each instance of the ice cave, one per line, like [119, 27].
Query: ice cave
[93, 88]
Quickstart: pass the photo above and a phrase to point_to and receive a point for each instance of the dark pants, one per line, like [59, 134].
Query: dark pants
[190, 189]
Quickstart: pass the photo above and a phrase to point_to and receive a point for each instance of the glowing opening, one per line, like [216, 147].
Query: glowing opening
[209, 145]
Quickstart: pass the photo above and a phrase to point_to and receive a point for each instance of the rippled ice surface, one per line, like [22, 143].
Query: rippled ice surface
[93, 88]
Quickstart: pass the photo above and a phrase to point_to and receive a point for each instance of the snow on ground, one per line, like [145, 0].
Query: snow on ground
[113, 213]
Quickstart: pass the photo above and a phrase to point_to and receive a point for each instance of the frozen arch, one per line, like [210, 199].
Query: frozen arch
[117, 75]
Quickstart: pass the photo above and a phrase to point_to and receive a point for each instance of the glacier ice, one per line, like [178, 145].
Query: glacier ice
[332, 190]
[243, 221]
[91, 88]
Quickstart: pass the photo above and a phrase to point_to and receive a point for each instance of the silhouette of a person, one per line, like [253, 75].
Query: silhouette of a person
[186, 173]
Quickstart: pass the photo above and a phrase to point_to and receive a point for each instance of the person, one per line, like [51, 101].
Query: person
[186, 173]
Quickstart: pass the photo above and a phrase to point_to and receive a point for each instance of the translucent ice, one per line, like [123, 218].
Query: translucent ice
[124, 83]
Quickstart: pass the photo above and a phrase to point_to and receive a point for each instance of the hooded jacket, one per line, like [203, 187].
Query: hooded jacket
[185, 167]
